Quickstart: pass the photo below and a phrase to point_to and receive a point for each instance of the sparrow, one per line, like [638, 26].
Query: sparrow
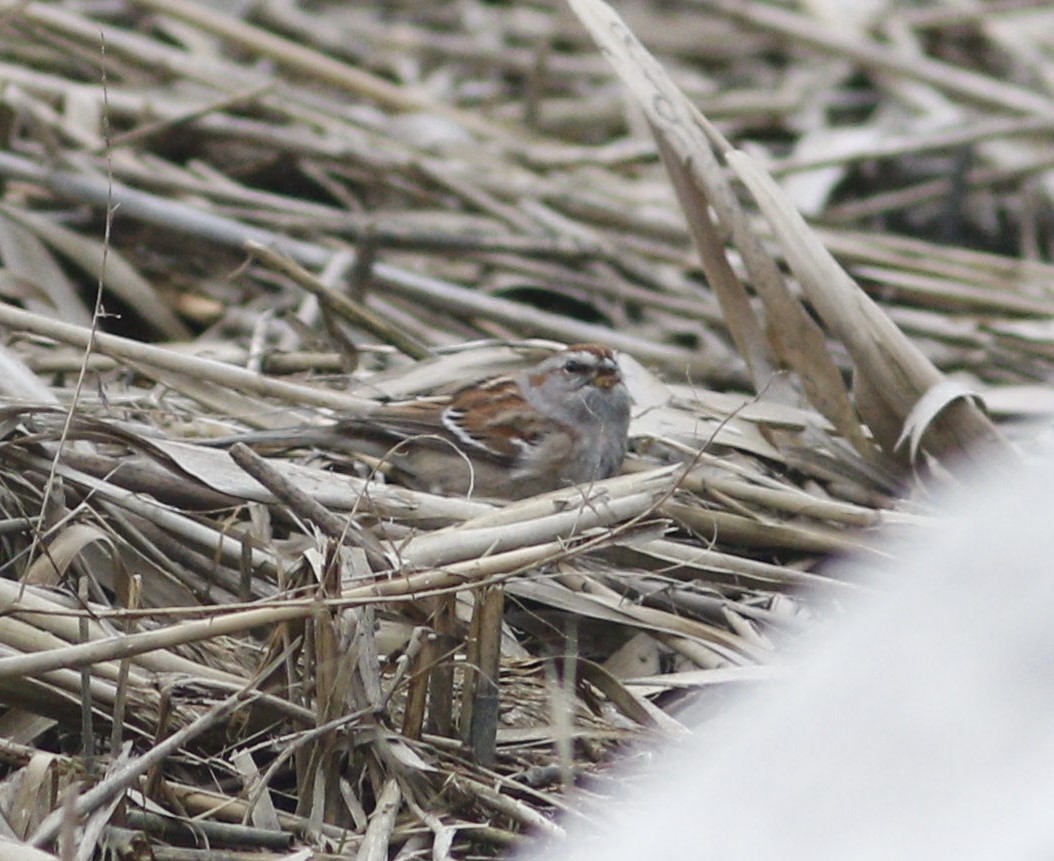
[564, 421]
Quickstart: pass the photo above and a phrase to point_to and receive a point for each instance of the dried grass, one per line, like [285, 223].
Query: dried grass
[315, 207]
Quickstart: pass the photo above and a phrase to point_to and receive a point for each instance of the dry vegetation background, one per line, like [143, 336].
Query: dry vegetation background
[223, 216]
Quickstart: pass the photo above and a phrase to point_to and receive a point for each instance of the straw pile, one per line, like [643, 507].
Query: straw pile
[219, 217]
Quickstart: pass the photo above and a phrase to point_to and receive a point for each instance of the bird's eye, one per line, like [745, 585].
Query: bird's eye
[575, 366]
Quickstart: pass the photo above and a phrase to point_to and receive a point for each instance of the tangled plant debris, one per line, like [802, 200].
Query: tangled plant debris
[299, 211]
